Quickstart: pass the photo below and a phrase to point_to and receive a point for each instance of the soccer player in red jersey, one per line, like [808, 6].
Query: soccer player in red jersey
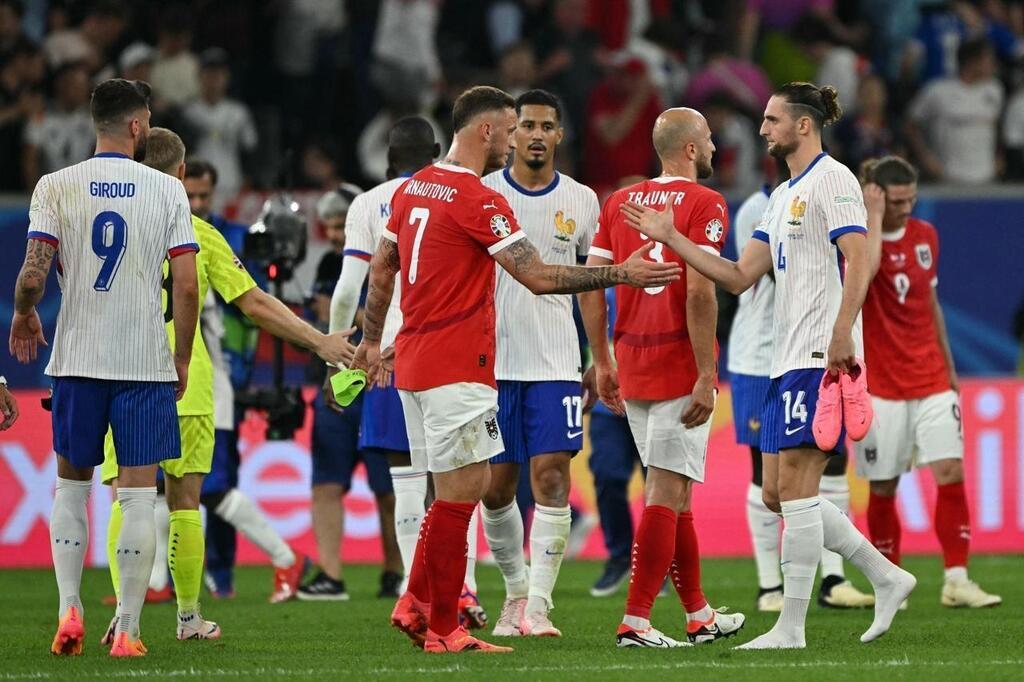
[912, 380]
[445, 232]
[665, 378]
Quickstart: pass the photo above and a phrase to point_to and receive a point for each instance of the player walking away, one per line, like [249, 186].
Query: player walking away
[411, 146]
[114, 222]
[750, 356]
[665, 352]
[813, 222]
[540, 408]
[445, 228]
[913, 380]
[220, 270]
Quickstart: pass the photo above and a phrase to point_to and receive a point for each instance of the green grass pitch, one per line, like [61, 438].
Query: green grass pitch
[327, 641]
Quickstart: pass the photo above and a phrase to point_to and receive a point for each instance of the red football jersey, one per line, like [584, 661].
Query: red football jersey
[901, 342]
[652, 345]
[447, 225]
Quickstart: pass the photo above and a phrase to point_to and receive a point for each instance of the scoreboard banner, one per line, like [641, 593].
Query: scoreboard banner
[276, 475]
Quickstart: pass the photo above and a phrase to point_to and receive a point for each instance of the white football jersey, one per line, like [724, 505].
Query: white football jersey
[114, 222]
[750, 340]
[367, 217]
[536, 335]
[804, 218]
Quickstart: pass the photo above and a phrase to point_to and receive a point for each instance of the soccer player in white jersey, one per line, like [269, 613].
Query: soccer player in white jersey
[113, 222]
[538, 372]
[813, 223]
[750, 356]
[411, 146]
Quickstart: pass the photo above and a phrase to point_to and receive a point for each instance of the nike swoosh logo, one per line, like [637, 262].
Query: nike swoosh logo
[550, 553]
[573, 434]
[790, 433]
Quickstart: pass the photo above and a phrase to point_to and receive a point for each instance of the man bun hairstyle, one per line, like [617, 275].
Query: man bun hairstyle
[807, 99]
[478, 100]
[886, 171]
[115, 100]
[540, 98]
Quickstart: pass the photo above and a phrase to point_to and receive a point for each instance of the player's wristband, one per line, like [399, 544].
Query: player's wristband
[347, 384]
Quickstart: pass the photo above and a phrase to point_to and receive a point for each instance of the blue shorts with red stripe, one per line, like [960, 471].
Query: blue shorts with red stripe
[143, 416]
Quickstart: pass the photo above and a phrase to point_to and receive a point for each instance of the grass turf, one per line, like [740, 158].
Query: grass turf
[300, 640]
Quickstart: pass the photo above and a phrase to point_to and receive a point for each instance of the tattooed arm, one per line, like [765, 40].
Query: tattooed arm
[521, 260]
[26, 329]
[383, 268]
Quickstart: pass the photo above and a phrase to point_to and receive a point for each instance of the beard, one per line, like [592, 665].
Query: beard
[781, 151]
[496, 160]
[140, 148]
[535, 163]
[704, 168]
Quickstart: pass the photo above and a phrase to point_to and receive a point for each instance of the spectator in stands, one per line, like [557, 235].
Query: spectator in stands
[952, 123]
[836, 64]
[405, 57]
[61, 135]
[620, 117]
[738, 148]
[517, 69]
[1013, 132]
[93, 42]
[743, 81]
[12, 37]
[224, 126]
[176, 70]
[777, 17]
[372, 146]
[866, 134]
[319, 168]
[19, 100]
[136, 62]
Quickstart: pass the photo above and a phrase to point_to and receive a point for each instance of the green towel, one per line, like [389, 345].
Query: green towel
[347, 384]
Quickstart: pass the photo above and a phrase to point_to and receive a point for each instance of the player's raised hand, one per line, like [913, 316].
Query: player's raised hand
[842, 355]
[608, 390]
[26, 336]
[702, 403]
[336, 349]
[657, 225]
[9, 408]
[182, 384]
[874, 201]
[643, 273]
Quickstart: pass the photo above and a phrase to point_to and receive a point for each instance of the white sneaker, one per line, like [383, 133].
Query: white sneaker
[192, 626]
[771, 602]
[537, 624]
[655, 639]
[511, 619]
[845, 596]
[721, 625]
[967, 593]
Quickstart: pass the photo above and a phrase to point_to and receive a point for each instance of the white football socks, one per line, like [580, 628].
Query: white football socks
[69, 539]
[471, 541]
[410, 486]
[764, 532]
[835, 489]
[162, 522]
[242, 513]
[549, 536]
[503, 529]
[136, 546]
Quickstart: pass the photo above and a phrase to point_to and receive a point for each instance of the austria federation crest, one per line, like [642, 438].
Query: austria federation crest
[924, 256]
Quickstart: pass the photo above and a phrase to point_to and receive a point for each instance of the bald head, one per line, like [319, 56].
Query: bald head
[676, 128]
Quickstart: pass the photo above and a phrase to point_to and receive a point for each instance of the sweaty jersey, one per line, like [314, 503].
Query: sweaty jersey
[901, 341]
[114, 223]
[804, 218]
[652, 344]
[750, 340]
[537, 339]
[448, 226]
[219, 268]
[367, 217]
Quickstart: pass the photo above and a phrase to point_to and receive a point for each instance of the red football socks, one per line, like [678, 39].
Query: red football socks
[419, 587]
[686, 565]
[884, 526]
[953, 524]
[445, 554]
[652, 555]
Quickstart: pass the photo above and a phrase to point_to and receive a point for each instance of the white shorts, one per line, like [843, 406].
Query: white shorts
[908, 433]
[451, 426]
[663, 441]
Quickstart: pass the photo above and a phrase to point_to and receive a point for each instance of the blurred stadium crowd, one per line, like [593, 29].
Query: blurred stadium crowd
[304, 91]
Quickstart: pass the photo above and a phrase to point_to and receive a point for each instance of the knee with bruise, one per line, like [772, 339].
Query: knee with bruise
[553, 485]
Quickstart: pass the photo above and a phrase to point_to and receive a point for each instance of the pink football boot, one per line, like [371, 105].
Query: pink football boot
[857, 408]
[828, 414]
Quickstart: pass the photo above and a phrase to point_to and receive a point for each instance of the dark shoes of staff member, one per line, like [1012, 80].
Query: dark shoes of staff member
[323, 588]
